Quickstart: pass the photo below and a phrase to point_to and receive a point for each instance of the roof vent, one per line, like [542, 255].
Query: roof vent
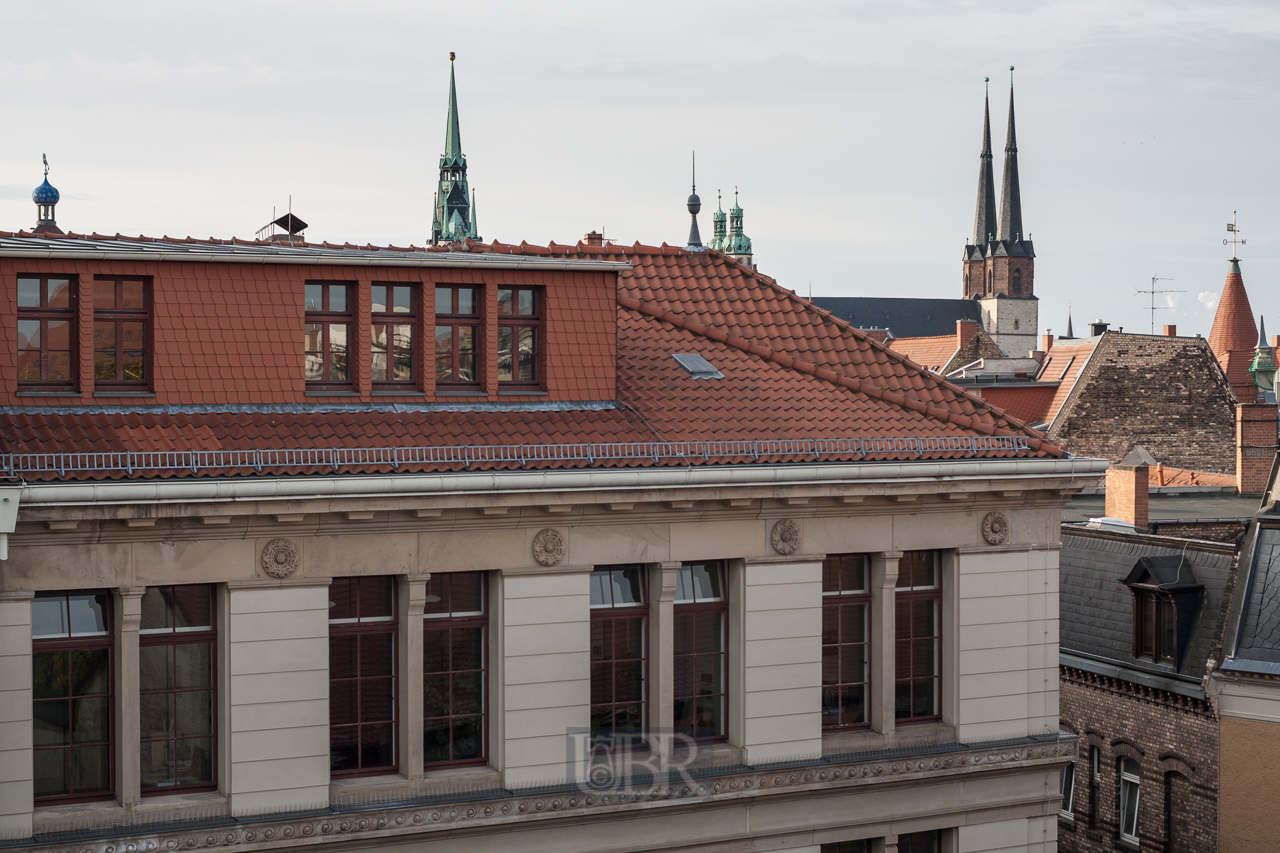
[697, 366]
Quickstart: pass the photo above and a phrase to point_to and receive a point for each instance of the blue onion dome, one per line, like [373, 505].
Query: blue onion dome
[45, 193]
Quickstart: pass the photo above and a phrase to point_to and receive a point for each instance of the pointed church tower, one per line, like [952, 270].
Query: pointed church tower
[999, 270]
[1234, 333]
[737, 245]
[718, 233]
[453, 219]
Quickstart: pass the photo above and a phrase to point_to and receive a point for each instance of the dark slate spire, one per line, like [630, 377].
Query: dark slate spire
[984, 217]
[1010, 195]
[695, 204]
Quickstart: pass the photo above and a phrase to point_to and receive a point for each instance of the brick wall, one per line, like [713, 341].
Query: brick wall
[1255, 446]
[1128, 493]
[1167, 394]
[1213, 530]
[1173, 738]
[232, 333]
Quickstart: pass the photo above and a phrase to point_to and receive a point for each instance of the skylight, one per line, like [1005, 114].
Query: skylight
[697, 366]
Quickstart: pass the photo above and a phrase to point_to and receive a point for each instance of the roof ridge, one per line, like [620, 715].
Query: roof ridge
[870, 389]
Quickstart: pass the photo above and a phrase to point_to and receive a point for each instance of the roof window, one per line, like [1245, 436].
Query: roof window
[697, 366]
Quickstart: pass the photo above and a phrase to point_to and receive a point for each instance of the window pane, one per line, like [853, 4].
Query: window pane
[706, 581]
[444, 352]
[91, 720]
[157, 715]
[337, 298]
[527, 367]
[468, 693]
[402, 301]
[505, 301]
[195, 761]
[1169, 629]
[466, 353]
[628, 637]
[377, 595]
[378, 299]
[626, 586]
[505, 356]
[193, 606]
[342, 656]
[88, 614]
[601, 588]
[466, 593]
[156, 612]
[49, 615]
[28, 293]
[467, 301]
[375, 655]
[377, 745]
[90, 671]
[709, 633]
[314, 297]
[342, 599]
[29, 350]
[132, 296]
[402, 362]
[49, 675]
[343, 704]
[377, 699]
[444, 300]
[468, 738]
[155, 667]
[338, 352]
[467, 648]
[104, 295]
[1148, 625]
[50, 725]
[59, 292]
[50, 766]
[527, 303]
[193, 665]
[91, 769]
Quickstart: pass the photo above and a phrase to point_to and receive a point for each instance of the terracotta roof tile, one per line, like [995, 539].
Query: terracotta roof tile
[1235, 334]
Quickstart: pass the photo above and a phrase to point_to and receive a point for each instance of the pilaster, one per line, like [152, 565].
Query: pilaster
[412, 601]
[884, 582]
[16, 772]
[127, 602]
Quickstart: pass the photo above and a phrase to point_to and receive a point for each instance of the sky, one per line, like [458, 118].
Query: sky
[851, 130]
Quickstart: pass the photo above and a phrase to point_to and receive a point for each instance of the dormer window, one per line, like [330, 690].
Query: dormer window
[1155, 627]
[1166, 596]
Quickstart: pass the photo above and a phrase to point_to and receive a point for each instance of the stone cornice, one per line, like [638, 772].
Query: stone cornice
[499, 810]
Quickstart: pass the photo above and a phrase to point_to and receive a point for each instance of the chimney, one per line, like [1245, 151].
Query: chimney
[1255, 446]
[1170, 331]
[593, 238]
[1046, 342]
[1097, 327]
[965, 330]
[1127, 488]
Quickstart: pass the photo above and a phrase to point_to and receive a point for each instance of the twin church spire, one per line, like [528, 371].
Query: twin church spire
[999, 260]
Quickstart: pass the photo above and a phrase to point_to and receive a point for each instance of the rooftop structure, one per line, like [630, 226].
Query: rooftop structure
[453, 214]
[1234, 334]
[46, 199]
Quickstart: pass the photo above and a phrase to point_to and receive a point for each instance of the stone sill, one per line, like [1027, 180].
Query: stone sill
[369, 790]
[904, 737]
[78, 817]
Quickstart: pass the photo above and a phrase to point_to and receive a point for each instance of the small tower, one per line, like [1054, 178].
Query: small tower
[695, 205]
[1233, 334]
[718, 236]
[453, 219]
[1263, 368]
[737, 245]
[46, 199]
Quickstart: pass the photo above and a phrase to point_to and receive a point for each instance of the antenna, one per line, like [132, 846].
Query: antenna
[695, 172]
[1153, 291]
[1234, 231]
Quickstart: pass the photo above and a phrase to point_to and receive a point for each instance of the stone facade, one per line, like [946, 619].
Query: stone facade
[1012, 322]
[1173, 738]
[1167, 394]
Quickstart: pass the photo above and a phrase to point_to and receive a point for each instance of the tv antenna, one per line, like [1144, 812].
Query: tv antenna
[1234, 231]
[1153, 291]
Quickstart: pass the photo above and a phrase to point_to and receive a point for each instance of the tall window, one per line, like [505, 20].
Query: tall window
[1095, 784]
[1155, 627]
[701, 650]
[455, 626]
[918, 629]
[362, 675]
[1130, 779]
[929, 841]
[46, 331]
[327, 334]
[121, 311]
[176, 657]
[394, 318]
[619, 624]
[846, 603]
[457, 334]
[519, 316]
[1066, 787]
[71, 696]
[859, 846]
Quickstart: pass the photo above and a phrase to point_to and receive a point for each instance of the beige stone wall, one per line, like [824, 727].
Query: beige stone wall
[1025, 835]
[277, 675]
[1249, 785]
[15, 716]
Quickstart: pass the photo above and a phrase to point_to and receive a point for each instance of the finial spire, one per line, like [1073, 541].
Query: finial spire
[1010, 192]
[1070, 333]
[453, 219]
[45, 158]
[695, 204]
[984, 217]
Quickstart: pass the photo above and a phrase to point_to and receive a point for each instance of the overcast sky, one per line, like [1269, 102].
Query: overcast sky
[852, 130]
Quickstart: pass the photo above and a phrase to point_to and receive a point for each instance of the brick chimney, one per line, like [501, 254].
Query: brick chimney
[593, 238]
[1170, 331]
[1127, 491]
[965, 330]
[1255, 446]
[1046, 342]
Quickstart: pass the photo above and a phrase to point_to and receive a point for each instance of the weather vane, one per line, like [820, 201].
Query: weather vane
[1234, 231]
[45, 158]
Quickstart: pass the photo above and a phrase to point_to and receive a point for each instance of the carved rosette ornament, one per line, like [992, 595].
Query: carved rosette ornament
[995, 528]
[280, 558]
[548, 546]
[785, 537]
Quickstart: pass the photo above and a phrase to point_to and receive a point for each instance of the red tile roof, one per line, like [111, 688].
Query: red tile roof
[1235, 334]
[1028, 403]
[931, 352]
[791, 371]
[1062, 364]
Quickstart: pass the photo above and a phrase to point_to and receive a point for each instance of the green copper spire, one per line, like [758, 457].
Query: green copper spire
[718, 235]
[737, 245]
[453, 219]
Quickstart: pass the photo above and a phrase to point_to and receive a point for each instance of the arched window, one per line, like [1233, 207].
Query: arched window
[1016, 288]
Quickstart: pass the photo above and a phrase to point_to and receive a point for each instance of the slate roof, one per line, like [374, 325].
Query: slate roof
[791, 371]
[1096, 609]
[1165, 507]
[1259, 630]
[906, 318]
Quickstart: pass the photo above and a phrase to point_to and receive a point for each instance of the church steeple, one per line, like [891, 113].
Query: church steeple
[453, 219]
[719, 234]
[984, 217]
[1010, 193]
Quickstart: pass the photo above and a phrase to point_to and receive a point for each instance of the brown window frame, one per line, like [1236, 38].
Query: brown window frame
[454, 320]
[119, 315]
[326, 318]
[362, 626]
[510, 326]
[393, 319]
[605, 618]
[909, 594]
[1150, 608]
[702, 609]
[838, 594]
[70, 643]
[173, 636]
[440, 616]
[860, 845]
[44, 314]
[928, 841]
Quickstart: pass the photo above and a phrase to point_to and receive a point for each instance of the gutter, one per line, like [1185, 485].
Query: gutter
[442, 259]
[1173, 682]
[383, 485]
